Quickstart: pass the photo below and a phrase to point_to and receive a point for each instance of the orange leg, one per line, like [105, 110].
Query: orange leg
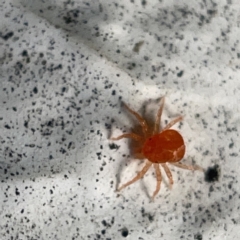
[188, 167]
[139, 176]
[174, 121]
[158, 117]
[139, 118]
[168, 172]
[127, 135]
[159, 180]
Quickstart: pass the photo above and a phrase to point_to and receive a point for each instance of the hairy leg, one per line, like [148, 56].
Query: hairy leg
[174, 121]
[139, 176]
[168, 172]
[159, 180]
[127, 135]
[158, 117]
[188, 167]
[139, 118]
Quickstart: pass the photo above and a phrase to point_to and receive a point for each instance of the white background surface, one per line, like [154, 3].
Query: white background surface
[64, 69]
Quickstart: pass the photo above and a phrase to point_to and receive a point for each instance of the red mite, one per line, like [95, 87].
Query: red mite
[159, 146]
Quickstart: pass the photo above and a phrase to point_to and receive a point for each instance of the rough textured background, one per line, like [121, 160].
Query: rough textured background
[65, 66]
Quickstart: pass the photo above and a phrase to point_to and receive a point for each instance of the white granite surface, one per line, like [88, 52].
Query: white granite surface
[65, 66]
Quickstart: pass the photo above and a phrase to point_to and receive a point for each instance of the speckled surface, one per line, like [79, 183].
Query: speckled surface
[65, 66]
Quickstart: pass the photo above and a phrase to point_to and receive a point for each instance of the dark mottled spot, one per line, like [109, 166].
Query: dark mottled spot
[7, 36]
[180, 74]
[68, 20]
[231, 145]
[144, 2]
[211, 12]
[212, 174]
[124, 232]
[62, 150]
[26, 124]
[137, 46]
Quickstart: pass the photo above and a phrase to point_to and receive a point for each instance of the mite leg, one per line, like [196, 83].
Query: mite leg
[139, 176]
[139, 118]
[158, 117]
[188, 167]
[159, 180]
[168, 172]
[174, 121]
[127, 135]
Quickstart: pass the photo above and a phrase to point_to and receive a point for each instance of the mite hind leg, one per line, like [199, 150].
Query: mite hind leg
[159, 180]
[188, 167]
[168, 172]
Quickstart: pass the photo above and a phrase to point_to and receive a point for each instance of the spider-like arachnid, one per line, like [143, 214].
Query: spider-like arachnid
[159, 146]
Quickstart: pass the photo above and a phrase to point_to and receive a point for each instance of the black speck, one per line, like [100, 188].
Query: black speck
[24, 53]
[113, 92]
[212, 174]
[7, 126]
[22, 211]
[104, 223]
[180, 74]
[51, 191]
[17, 192]
[198, 236]
[35, 90]
[113, 146]
[124, 232]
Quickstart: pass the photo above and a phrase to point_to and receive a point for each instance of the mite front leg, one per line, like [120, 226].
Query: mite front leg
[141, 120]
[158, 117]
[139, 176]
[127, 135]
[174, 121]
